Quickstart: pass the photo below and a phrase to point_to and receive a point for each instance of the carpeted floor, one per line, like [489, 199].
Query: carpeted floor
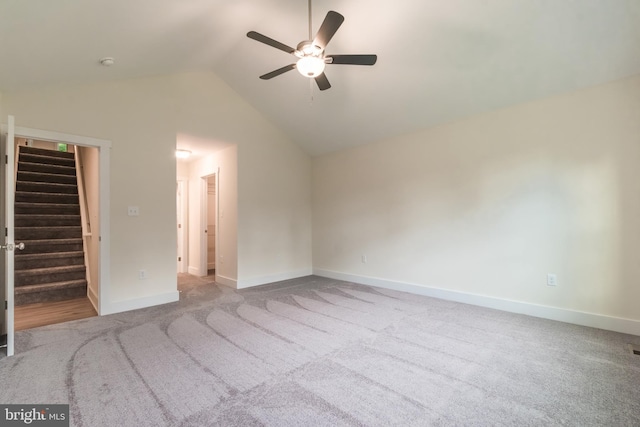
[316, 351]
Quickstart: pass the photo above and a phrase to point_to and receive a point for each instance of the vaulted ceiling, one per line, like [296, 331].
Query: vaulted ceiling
[437, 60]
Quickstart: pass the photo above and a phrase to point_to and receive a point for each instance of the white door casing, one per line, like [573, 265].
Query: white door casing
[181, 206]
[8, 245]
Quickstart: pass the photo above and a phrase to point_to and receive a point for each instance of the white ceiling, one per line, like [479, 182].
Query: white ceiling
[437, 60]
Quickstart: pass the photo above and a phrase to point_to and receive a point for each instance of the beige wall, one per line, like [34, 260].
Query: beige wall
[142, 117]
[491, 204]
[274, 181]
[134, 116]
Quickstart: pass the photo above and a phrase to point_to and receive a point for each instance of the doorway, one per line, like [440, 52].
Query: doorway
[100, 224]
[55, 212]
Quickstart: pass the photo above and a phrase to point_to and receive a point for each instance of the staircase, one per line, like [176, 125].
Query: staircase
[47, 219]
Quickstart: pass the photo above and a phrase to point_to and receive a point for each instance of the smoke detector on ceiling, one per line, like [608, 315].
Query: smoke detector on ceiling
[107, 61]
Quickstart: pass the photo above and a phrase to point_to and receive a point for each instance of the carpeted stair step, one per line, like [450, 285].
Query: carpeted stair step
[46, 152]
[45, 246]
[47, 187]
[33, 220]
[50, 292]
[45, 177]
[45, 159]
[47, 208]
[36, 276]
[54, 259]
[61, 232]
[41, 167]
[58, 198]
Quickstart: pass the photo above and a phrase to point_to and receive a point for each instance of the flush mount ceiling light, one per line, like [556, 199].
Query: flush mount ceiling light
[183, 154]
[311, 53]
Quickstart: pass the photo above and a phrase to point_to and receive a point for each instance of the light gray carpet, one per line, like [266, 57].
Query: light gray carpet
[315, 351]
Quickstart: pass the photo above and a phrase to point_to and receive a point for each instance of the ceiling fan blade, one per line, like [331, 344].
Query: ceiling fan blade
[353, 59]
[329, 26]
[269, 41]
[277, 72]
[323, 82]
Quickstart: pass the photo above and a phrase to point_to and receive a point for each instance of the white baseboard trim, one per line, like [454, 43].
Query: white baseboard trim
[232, 283]
[257, 281]
[93, 298]
[616, 324]
[136, 303]
[193, 271]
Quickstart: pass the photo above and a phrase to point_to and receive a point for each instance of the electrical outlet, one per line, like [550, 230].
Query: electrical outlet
[133, 211]
[142, 274]
[364, 259]
[552, 280]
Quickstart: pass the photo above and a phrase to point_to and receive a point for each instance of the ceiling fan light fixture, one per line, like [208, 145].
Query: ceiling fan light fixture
[310, 54]
[310, 66]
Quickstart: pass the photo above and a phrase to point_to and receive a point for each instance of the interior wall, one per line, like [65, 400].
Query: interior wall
[490, 205]
[142, 117]
[135, 116]
[274, 182]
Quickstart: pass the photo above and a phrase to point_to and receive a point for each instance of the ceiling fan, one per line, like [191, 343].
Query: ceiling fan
[311, 53]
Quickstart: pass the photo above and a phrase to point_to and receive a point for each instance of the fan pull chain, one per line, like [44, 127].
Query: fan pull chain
[310, 91]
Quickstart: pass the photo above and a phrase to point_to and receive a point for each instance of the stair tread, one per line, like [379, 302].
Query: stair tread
[47, 286]
[49, 227]
[47, 204]
[46, 187]
[45, 193]
[41, 183]
[60, 269]
[57, 241]
[31, 176]
[44, 216]
[46, 152]
[59, 167]
[46, 156]
[48, 255]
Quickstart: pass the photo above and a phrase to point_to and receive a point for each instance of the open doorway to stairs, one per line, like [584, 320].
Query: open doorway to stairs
[57, 217]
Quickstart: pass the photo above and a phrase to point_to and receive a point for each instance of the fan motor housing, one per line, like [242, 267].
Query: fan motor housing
[307, 48]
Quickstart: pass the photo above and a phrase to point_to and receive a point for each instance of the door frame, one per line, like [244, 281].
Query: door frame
[7, 203]
[204, 217]
[104, 156]
[182, 203]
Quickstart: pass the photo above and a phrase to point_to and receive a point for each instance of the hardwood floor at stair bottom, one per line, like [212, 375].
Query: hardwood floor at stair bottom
[48, 313]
